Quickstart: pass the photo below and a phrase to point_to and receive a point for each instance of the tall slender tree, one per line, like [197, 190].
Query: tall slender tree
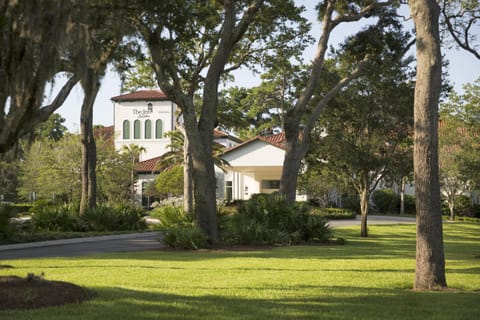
[99, 46]
[430, 259]
[133, 151]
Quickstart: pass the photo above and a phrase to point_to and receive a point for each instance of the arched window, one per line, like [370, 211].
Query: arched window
[158, 129]
[136, 129]
[148, 129]
[126, 129]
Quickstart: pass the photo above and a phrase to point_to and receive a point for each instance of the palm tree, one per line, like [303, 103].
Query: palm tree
[133, 151]
[177, 157]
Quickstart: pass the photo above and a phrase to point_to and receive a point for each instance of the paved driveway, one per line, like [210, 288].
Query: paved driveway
[371, 219]
[82, 246]
[129, 242]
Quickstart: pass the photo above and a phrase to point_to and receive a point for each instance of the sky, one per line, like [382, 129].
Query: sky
[464, 68]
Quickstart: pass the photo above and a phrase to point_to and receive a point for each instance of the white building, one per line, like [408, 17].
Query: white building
[143, 118]
[255, 167]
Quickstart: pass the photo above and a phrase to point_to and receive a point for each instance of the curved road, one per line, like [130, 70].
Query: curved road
[129, 242]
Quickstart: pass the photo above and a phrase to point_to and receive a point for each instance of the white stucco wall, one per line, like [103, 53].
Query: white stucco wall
[256, 153]
[138, 110]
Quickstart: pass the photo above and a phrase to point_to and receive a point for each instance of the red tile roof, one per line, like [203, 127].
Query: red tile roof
[148, 166]
[277, 140]
[142, 95]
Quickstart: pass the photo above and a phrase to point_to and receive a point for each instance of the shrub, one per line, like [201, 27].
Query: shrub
[352, 202]
[409, 202]
[386, 201]
[184, 236]
[55, 218]
[120, 218]
[333, 213]
[6, 212]
[271, 219]
[178, 229]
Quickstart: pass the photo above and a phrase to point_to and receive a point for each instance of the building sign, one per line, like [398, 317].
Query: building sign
[142, 113]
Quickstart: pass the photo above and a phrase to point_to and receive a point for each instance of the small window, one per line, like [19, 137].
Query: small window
[136, 129]
[270, 184]
[126, 130]
[158, 129]
[148, 129]
[150, 107]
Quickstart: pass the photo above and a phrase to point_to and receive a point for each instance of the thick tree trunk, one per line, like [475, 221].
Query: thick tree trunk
[364, 212]
[296, 149]
[204, 188]
[89, 150]
[430, 260]
[291, 167]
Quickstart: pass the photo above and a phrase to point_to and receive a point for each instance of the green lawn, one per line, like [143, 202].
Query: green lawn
[365, 279]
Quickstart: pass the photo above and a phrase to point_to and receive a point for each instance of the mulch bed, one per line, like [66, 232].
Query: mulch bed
[34, 292]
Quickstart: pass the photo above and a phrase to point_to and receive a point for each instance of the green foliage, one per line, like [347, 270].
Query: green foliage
[270, 219]
[385, 201]
[178, 229]
[463, 207]
[52, 169]
[170, 182]
[55, 218]
[6, 213]
[52, 129]
[185, 236]
[333, 213]
[119, 218]
[113, 173]
[9, 174]
[351, 202]
[64, 218]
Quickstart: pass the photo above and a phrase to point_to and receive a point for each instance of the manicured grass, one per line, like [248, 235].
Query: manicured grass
[365, 279]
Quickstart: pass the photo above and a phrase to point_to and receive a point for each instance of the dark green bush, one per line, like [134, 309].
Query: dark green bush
[184, 236]
[409, 202]
[64, 218]
[333, 213]
[6, 212]
[351, 202]
[55, 218]
[463, 207]
[119, 218]
[179, 230]
[386, 201]
[271, 219]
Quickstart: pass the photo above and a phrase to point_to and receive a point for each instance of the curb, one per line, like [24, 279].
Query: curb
[77, 240]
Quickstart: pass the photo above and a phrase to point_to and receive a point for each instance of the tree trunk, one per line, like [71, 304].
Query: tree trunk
[364, 212]
[451, 207]
[88, 199]
[204, 189]
[291, 166]
[402, 196]
[187, 177]
[430, 260]
[296, 148]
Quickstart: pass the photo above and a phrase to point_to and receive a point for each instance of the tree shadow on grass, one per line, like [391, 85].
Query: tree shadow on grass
[327, 302]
